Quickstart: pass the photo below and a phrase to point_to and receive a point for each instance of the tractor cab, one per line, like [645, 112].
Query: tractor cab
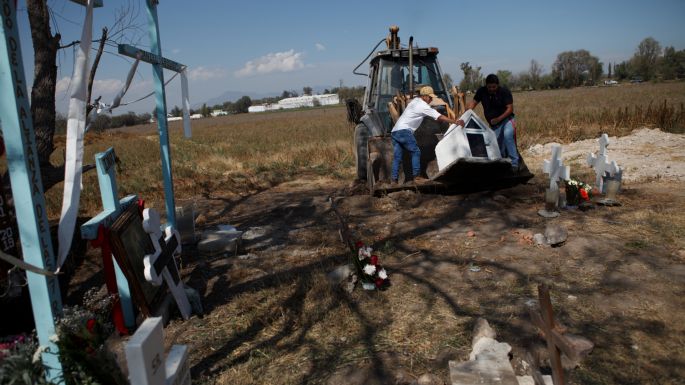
[391, 75]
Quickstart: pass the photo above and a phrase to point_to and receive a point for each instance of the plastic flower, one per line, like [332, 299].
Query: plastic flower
[369, 269]
[583, 194]
[90, 325]
[374, 260]
[379, 282]
[365, 252]
[382, 274]
[359, 244]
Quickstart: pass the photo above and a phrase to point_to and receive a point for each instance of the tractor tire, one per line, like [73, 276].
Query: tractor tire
[361, 150]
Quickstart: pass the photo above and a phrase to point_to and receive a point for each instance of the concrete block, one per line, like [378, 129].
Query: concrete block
[220, 242]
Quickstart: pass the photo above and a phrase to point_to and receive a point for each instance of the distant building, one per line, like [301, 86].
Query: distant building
[261, 108]
[216, 113]
[298, 102]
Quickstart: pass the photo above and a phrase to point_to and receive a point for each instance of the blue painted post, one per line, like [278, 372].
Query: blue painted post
[27, 189]
[160, 97]
[112, 208]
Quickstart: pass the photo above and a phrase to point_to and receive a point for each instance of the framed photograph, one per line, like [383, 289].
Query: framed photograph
[130, 243]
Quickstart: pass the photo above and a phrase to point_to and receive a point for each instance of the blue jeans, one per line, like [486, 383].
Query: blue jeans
[404, 140]
[506, 140]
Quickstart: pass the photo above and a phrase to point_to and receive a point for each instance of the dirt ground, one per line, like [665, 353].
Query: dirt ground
[271, 317]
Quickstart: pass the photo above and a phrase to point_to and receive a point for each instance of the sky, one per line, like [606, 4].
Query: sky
[265, 47]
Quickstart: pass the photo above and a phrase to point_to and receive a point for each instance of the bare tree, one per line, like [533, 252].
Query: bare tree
[534, 72]
[45, 46]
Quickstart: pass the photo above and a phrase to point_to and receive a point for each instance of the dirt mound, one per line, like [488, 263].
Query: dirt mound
[644, 154]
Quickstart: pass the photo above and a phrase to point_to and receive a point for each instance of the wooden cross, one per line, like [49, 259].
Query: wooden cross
[600, 162]
[96, 229]
[161, 265]
[556, 341]
[555, 168]
[145, 357]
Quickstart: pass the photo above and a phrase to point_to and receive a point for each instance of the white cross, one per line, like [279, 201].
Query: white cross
[555, 168]
[161, 263]
[145, 357]
[600, 162]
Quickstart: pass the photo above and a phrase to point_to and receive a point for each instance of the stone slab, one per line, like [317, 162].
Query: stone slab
[528, 380]
[220, 241]
[482, 371]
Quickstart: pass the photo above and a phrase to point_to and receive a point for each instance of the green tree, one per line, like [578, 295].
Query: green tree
[504, 77]
[672, 64]
[574, 68]
[176, 112]
[622, 71]
[645, 58]
[472, 77]
[205, 110]
[242, 105]
[306, 90]
[447, 79]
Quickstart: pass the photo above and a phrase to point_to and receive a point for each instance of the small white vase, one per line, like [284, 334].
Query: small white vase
[368, 286]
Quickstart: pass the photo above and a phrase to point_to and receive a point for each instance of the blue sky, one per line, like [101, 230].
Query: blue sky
[268, 46]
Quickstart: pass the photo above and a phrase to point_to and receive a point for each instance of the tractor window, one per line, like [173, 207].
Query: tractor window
[393, 77]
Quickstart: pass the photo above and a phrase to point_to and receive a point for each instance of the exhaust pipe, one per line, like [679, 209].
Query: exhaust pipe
[411, 66]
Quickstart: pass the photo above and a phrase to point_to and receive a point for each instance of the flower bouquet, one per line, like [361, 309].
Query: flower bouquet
[370, 272]
[577, 192]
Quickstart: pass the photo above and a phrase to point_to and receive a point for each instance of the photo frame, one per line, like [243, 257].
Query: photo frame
[130, 243]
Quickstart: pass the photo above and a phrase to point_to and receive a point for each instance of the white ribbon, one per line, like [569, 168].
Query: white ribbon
[76, 122]
[185, 103]
[117, 99]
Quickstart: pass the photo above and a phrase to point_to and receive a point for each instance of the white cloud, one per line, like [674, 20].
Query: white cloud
[100, 87]
[62, 85]
[107, 87]
[320, 47]
[273, 62]
[206, 73]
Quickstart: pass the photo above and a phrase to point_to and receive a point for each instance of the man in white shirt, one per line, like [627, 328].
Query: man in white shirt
[403, 132]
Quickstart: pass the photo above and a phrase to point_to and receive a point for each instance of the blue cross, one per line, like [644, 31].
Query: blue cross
[112, 208]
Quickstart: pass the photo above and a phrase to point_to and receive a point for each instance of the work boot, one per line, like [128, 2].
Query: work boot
[420, 179]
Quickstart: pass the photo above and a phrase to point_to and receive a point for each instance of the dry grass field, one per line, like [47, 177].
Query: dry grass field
[247, 153]
[272, 318]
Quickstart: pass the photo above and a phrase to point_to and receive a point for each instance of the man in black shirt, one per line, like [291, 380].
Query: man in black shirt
[498, 105]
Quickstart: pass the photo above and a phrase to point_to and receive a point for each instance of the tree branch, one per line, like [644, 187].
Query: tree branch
[94, 68]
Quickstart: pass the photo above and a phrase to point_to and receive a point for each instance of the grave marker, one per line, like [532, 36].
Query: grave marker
[161, 264]
[97, 229]
[158, 64]
[556, 342]
[145, 357]
[555, 168]
[27, 188]
[600, 163]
